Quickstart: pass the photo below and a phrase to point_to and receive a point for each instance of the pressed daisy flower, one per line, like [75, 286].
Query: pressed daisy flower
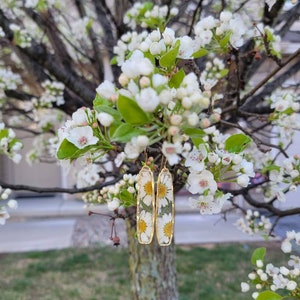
[164, 188]
[165, 229]
[146, 186]
[145, 227]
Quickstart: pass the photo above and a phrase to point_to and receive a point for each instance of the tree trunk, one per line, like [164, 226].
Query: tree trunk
[152, 267]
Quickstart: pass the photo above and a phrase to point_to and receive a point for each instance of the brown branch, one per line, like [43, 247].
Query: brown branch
[47, 24]
[196, 11]
[38, 56]
[289, 17]
[270, 15]
[241, 6]
[269, 207]
[99, 63]
[100, 9]
[82, 87]
[19, 95]
[270, 87]
[22, 187]
[267, 78]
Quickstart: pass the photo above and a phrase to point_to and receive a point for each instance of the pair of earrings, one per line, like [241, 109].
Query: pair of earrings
[155, 211]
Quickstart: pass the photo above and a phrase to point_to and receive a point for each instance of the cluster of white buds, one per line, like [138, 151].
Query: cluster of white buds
[21, 36]
[254, 223]
[214, 70]
[53, 93]
[283, 178]
[281, 279]
[266, 35]
[8, 81]
[9, 144]
[147, 15]
[91, 198]
[12, 204]
[123, 193]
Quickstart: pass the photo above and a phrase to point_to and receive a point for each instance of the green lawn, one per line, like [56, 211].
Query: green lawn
[208, 273]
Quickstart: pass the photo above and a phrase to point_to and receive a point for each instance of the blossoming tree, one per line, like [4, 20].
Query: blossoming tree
[183, 105]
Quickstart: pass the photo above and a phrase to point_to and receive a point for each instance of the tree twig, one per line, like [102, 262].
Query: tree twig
[22, 187]
[267, 78]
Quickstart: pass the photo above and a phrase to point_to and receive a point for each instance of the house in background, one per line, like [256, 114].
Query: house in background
[40, 174]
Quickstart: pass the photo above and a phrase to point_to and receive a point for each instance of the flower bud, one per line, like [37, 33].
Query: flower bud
[173, 130]
[259, 263]
[175, 119]
[105, 119]
[123, 79]
[245, 287]
[144, 82]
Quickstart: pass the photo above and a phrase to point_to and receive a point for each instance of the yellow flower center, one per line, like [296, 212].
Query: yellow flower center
[168, 229]
[161, 190]
[142, 225]
[148, 188]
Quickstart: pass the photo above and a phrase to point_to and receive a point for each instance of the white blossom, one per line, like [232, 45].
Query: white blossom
[107, 89]
[113, 204]
[171, 152]
[82, 137]
[200, 182]
[148, 99]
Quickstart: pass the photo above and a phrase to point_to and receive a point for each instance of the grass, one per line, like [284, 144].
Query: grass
[207, 273]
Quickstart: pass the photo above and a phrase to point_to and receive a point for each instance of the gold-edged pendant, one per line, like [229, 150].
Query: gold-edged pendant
[164, 208]
[145, 206]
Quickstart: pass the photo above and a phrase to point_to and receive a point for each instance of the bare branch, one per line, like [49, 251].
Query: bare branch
[272, 74]
[22, 187]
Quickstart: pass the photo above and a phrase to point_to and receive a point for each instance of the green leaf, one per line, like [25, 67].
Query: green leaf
[66, 150]
[168, 59]
[147, 6]
[194, 132]
[3, 133]
[108, 110]
[225, 40]
[176, 79]
[268, 295]
[270, 168]
[113, 61]
[150, 57]
[288, 111]
[270, 36]
[224, 72]
[196, 135]
[201, 52]
[89, 25]
[101, 101]
[126, 198]
[131, 112]
[237, 143]
[258, 254]
[125, 132]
